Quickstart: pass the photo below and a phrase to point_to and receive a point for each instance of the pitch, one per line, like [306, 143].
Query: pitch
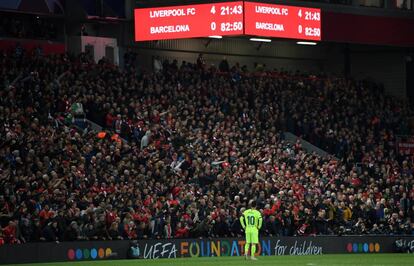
[324, 260]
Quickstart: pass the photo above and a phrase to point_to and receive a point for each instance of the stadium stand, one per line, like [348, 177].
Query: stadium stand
[185, 148]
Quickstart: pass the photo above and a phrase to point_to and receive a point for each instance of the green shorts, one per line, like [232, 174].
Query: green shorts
[252, 237]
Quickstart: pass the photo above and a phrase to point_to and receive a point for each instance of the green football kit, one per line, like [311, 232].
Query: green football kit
[251, 221]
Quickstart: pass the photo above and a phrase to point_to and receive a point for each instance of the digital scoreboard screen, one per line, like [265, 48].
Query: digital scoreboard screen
[281, 21]
[227, 18]
[189, 21]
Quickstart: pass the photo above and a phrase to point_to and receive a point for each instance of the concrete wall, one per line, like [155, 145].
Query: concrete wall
[386, 66]
[77, 44]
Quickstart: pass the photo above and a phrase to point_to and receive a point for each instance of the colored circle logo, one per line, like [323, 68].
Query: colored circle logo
[108, 252]
[101, 253]
[71, 254]
[79, 254]
[371, 247]
[355, 247]
[366, 247]
[377, 247]
[86, 253]
[363, 247]
[94, 253]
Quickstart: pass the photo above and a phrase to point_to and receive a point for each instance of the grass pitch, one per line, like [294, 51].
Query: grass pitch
[322, 260]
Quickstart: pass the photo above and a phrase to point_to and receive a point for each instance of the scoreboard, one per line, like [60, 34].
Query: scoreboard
[189, 21]
[227, 18]
[282, 21]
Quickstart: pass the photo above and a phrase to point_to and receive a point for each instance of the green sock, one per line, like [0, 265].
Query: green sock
[253, 249]
[246, 249]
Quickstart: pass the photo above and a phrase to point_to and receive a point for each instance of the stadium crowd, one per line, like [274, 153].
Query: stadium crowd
[187, 146]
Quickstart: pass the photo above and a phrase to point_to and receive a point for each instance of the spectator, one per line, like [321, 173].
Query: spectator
[10, 233]
[72, 233]
[130, 229]
[113, 231]
[224, 65]
[157, 65]
[272, 226]
[51, 232]
[181, 231]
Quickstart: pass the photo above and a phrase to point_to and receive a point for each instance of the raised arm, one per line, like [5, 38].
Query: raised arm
[259, 221]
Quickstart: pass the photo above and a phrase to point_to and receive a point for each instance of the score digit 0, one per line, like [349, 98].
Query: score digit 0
[213, 25]
[300, 29]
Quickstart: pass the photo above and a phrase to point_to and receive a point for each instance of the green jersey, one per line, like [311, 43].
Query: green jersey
[251, 220]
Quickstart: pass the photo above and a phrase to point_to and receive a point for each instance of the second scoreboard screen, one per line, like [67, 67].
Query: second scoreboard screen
[282, 21]
[227, 18]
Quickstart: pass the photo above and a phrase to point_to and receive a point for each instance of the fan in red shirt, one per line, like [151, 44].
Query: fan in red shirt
[173, 202]
[45, 214]
[181, 231]
[355, 181]
[130, 230]
[270, 211]
[109, 120]
[10, 233]
[110, 215]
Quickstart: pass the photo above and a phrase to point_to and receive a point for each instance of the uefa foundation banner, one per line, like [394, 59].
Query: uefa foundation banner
[179, 248]
[294, 246]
